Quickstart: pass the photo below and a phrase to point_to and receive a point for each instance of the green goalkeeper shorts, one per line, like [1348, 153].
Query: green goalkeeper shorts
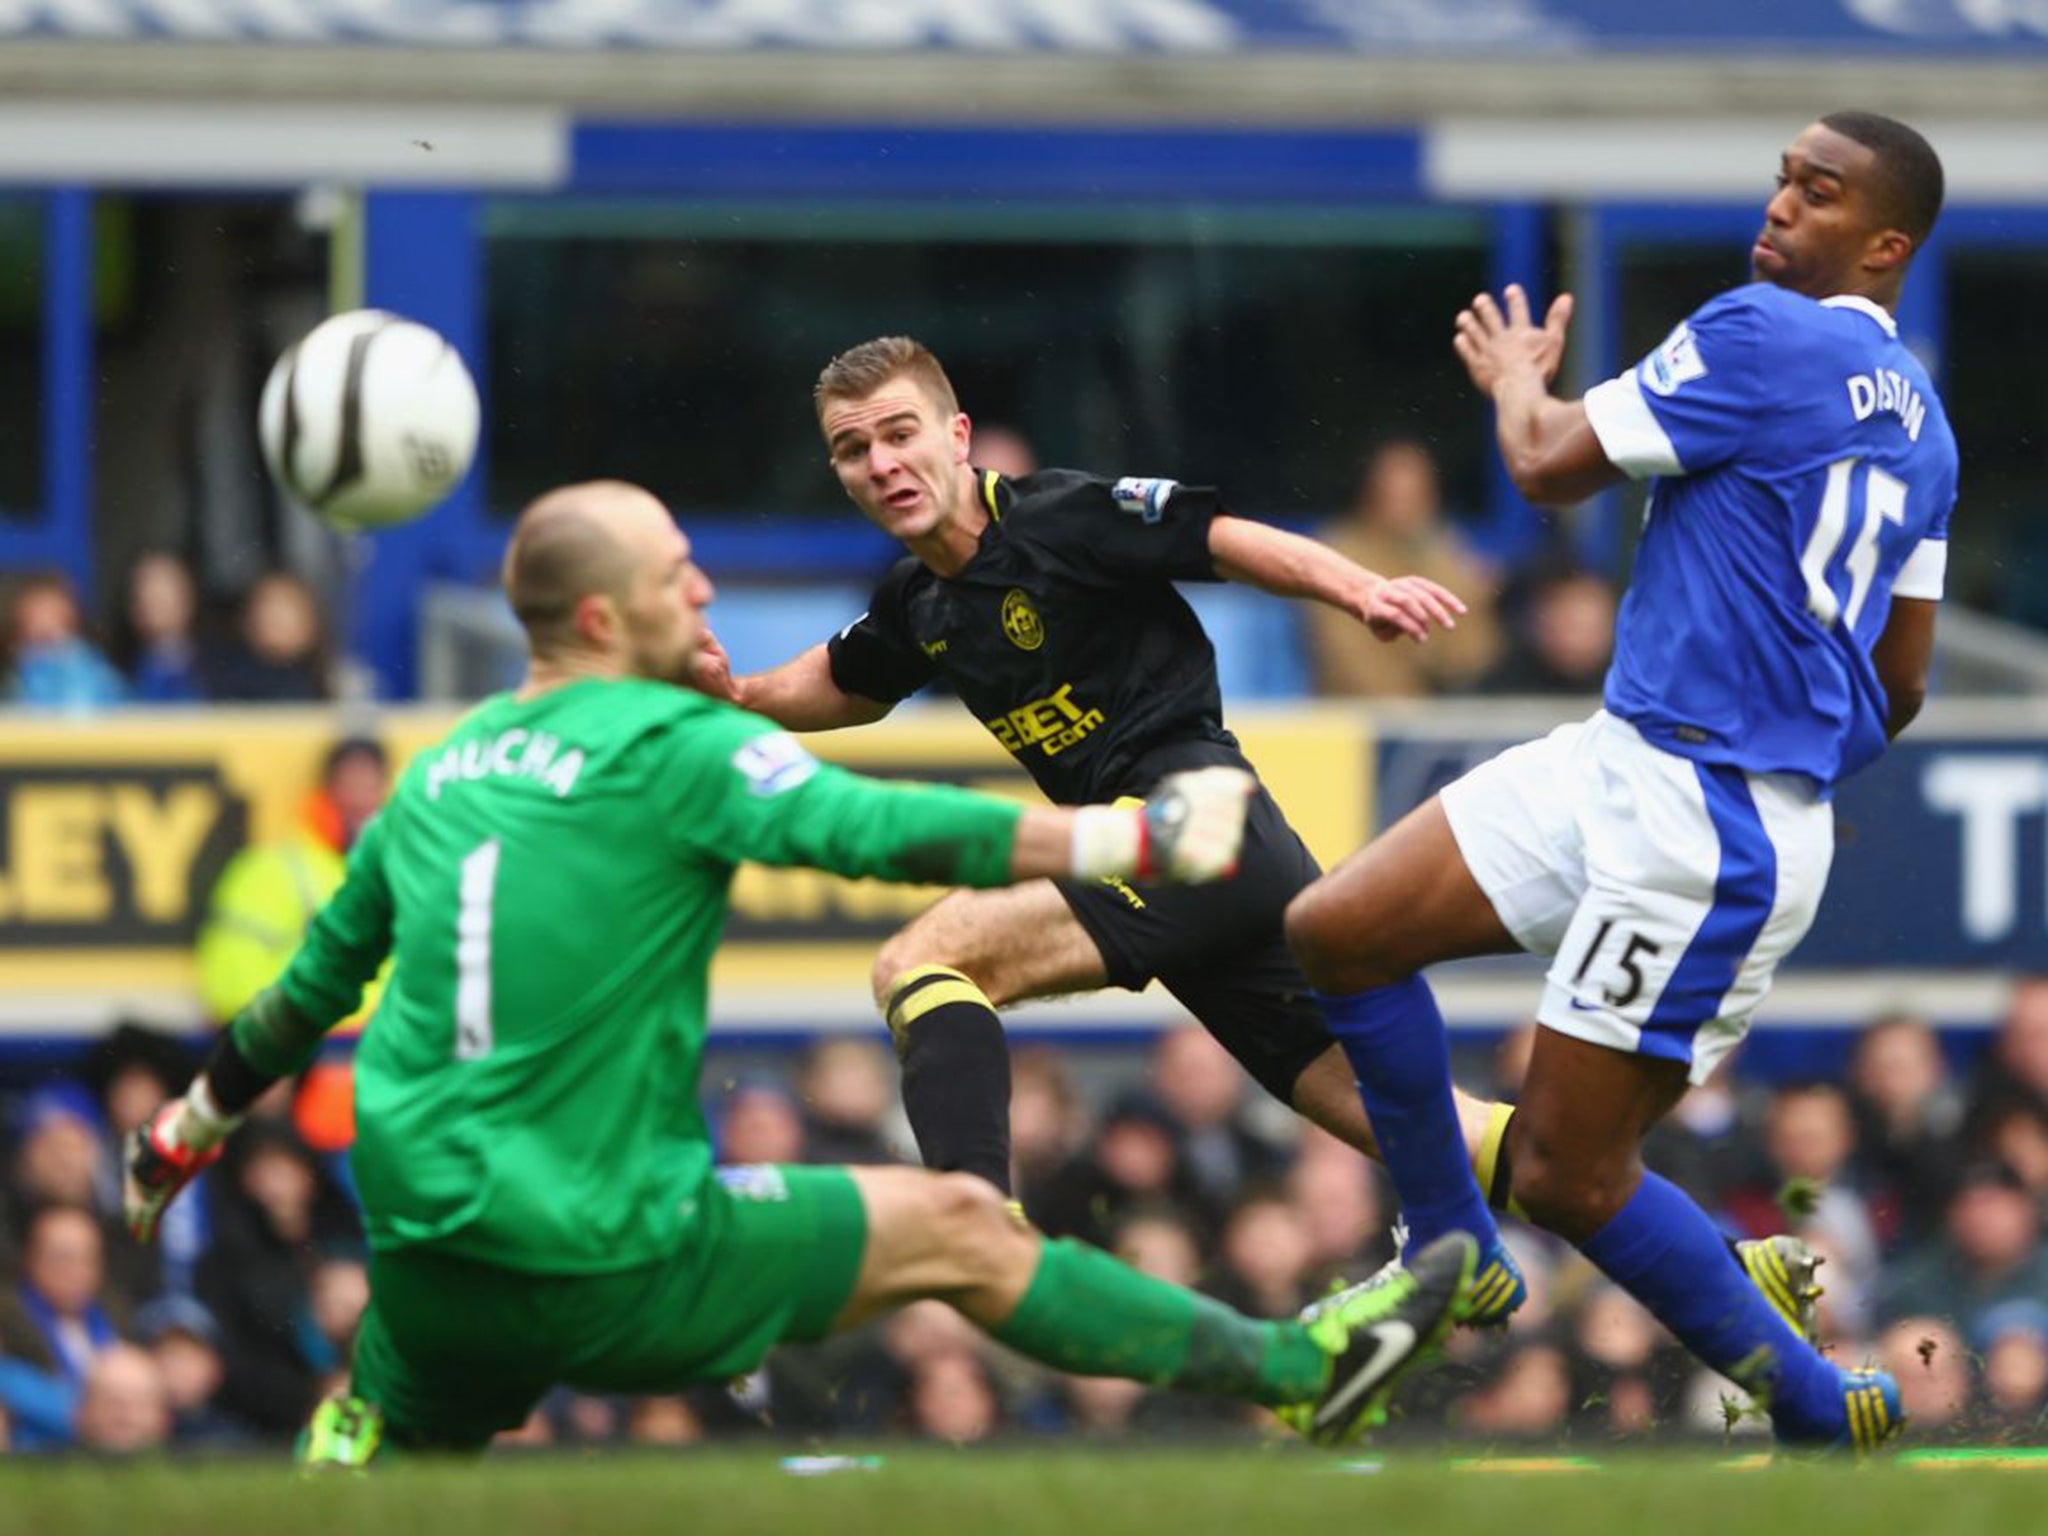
[453, 1350]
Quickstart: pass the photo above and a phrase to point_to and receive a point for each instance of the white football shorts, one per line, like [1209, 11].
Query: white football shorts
[1664, 891]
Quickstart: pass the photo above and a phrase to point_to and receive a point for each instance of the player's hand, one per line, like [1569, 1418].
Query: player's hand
[1494, 340]
[711, 670]
[157, 1165]
[1194, 825]
[1410, 606]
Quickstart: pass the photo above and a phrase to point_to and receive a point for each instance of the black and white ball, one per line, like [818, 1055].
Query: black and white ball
[370, 420]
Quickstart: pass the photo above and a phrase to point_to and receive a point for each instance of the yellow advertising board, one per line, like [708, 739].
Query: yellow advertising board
[113, 829]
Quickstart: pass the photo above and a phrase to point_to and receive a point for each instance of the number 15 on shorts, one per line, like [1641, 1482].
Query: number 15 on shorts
[1620, 981]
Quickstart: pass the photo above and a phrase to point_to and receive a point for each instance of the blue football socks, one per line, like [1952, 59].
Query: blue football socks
[1663, 1250]
[1394, 1038]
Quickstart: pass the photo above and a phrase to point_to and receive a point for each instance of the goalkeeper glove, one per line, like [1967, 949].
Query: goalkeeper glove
[168, 1151]
[1188, 833]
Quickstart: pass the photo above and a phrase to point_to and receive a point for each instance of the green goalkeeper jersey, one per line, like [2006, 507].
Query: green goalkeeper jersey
[552, 879]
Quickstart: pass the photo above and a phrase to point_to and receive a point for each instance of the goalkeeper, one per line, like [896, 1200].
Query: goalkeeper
[534, 1169]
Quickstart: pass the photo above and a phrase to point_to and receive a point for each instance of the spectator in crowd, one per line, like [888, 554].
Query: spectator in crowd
[668, 1420]
[1926, 1355]
[1627, 1371]
[1134, 1161]
[259, 910]
[2012, 1341]
[1992, 1253]
[1203, 1089]
[1845, 1312]
[2016, 1137]
[124, 1409]
[279, 652]
[1341, 1200]
[909, 1340]
[1160, 1242]
[57, 1148]
[847, 1099]
[1909, 1120]
[953, 1398]
[538, 1431]
[261, 905]
[1563, 635]
[1048, 1124]
[276, 1212]
[336, 1296]
[1396, 523]
[1103, 1407]
[160, 640]
[758, 1122]
[1003, 449]
[1809, 1139]
[55, 1320]
[131, 1072]
[2015, 1069]
[1266, 1257]
[1697, 1145]
[61, 1158]
[588, 1418]
[184, 1340]
[51, 663]
[1579, 1361]
[1528, 1397]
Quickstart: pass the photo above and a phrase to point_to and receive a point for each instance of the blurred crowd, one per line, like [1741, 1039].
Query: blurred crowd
[162, 646]
[1923, 1185]
[1921, 1177]
[1544, 627]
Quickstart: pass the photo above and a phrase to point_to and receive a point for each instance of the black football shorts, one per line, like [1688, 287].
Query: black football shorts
[1221, 949]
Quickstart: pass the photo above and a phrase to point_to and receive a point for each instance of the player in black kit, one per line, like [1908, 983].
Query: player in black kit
[1047, 603]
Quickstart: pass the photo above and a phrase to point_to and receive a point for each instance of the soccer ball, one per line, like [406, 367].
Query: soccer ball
[369, 420]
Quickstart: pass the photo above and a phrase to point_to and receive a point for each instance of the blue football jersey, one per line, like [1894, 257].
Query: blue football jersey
[1805, 472]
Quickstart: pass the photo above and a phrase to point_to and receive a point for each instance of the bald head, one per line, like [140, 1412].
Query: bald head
[576, 542]
[601, 578]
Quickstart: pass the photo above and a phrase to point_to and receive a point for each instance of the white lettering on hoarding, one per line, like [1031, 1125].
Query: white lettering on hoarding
[1990, 794]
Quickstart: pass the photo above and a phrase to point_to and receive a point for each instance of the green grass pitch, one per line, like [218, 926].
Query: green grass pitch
[1029, 1491]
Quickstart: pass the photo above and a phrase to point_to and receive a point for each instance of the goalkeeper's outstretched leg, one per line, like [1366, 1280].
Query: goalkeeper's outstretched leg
[1329, 1372]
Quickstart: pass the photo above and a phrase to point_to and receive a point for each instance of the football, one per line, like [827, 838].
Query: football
[369, 420]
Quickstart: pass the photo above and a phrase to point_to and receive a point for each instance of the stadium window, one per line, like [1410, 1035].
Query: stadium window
[1997, 302]
[21, 360]
[1260, 349]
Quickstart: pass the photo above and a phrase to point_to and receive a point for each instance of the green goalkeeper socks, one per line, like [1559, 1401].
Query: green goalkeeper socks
[1089, 1314]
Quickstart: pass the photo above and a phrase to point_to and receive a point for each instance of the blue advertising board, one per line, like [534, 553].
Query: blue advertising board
[1941, 857]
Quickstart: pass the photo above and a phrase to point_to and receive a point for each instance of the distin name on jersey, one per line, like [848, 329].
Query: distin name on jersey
[1890, 392]
[515, 754]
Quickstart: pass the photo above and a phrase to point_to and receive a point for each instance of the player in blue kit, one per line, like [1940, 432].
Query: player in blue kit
[1670, 851]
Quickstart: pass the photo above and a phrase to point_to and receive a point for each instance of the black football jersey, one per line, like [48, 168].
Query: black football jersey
[1063, 634]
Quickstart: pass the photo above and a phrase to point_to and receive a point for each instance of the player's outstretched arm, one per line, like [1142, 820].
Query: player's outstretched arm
[1288, 565]
[272, 1038]
[799, 695]
[1548, 445]
[1189, 831]
[1902, 656]
[737, 791]
[186, 1136]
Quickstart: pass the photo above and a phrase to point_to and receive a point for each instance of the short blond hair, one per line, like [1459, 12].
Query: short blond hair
[859, 371]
